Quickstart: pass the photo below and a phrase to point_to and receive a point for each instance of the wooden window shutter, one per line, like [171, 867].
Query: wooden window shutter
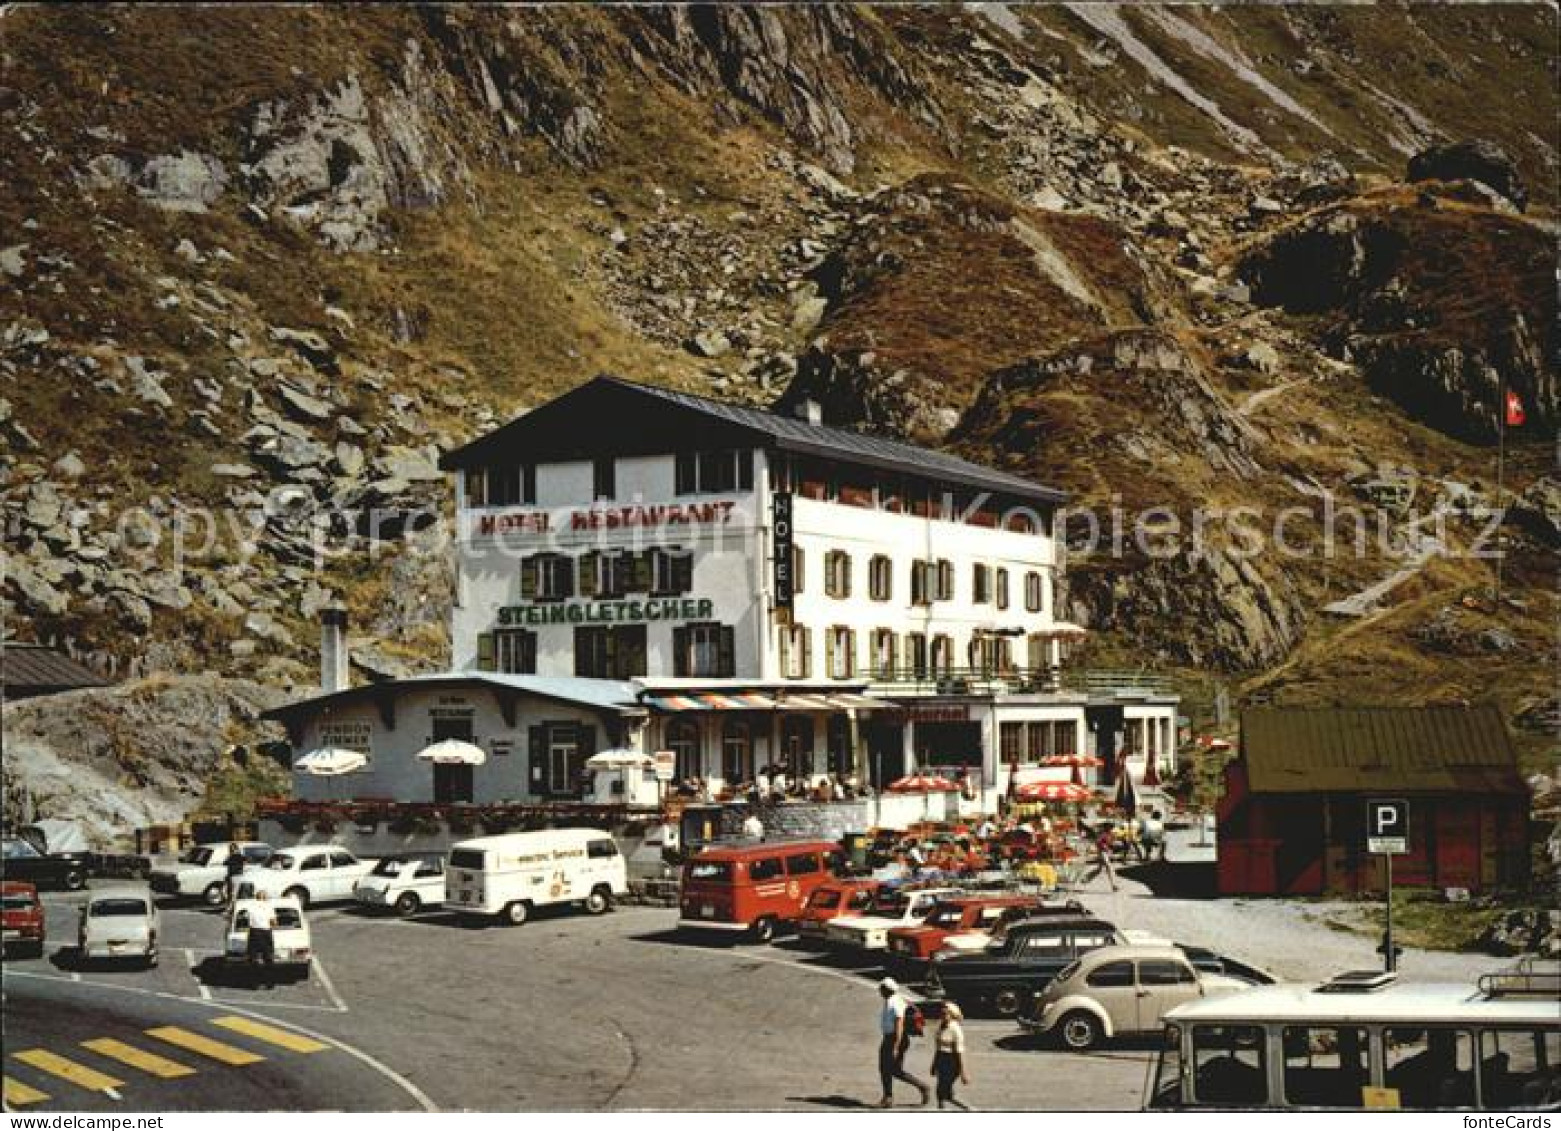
[829, 652]
[785, 649]
[807, 653]
[680, 651]
[590, 573]
[528, 578]
[485, 651]
[640, 571]
[536, 737]
[566, 574]
[728, 659]
[850, 652]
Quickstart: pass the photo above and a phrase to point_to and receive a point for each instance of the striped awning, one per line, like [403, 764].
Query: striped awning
[757, 701]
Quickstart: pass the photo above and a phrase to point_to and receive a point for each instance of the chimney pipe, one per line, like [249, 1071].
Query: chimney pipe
[811, 411]
[333, 649]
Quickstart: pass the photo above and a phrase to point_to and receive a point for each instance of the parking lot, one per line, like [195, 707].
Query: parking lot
[615, 1012]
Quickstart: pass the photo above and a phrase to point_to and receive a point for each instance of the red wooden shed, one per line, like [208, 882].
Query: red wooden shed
[1292, 819]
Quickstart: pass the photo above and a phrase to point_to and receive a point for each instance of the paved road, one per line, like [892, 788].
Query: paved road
[567, 1012]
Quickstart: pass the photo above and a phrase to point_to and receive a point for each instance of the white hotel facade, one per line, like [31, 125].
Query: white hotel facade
[732, 589]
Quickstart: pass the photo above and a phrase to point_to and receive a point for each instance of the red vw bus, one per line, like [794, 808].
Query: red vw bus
[756, 888]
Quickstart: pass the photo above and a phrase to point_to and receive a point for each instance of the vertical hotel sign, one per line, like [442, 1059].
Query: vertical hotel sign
[780, 518]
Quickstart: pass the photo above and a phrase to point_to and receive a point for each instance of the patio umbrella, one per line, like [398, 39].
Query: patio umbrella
[453, 752]
[617, 759]
[1053, 791]
[921, 783]
[1071, 760]
[330, 761]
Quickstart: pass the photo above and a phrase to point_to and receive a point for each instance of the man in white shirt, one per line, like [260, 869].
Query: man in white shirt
[262, 944]
[894, 1038]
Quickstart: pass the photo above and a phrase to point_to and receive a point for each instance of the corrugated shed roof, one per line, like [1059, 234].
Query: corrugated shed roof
[35, 667]
[796, 435]
[1372, 749]
[602, 694]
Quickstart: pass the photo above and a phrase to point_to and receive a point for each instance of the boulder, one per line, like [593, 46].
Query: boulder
[311, 346]
[302, 406]
[709, 343]
[1474, 160]
[182, 182]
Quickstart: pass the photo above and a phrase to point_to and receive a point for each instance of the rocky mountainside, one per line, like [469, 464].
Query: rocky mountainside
[261, 265]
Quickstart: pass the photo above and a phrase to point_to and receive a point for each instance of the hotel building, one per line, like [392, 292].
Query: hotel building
[725, 589]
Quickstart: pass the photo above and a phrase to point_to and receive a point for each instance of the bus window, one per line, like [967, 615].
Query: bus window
[1326, 1067]
[1520, 1068]
[766, 869]
[1229, 1065]
[805, 864]
[1429, 1068]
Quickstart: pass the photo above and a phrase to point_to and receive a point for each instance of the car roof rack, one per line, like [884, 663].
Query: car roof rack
[1529, 975]
[1358, 982]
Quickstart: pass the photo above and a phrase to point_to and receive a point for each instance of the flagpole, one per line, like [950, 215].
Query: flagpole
[1501, 468]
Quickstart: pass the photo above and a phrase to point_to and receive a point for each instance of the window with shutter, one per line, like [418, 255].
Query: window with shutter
[680, 651]
[1032, 591]
[880, 578]
[485, 652]
[536, 737]
[590, 573]
[727, 659]
[945, 573]
[641, 571]
[797, 560]
[807, 653]
[528, 578]
[1000, 588]
[919, 592]
[981, 584]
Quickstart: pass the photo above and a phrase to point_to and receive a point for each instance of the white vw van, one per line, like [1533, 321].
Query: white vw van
[509, 876]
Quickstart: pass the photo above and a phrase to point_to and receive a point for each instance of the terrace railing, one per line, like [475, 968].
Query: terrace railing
[1016, 680]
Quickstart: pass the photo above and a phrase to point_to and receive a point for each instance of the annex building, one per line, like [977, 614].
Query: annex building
[720, 589]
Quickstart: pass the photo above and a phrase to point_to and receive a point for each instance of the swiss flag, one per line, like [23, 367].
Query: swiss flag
[1515, 417]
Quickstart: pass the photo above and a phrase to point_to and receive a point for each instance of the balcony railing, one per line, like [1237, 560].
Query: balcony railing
[1016, 680]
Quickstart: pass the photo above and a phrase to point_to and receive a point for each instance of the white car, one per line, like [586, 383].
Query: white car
[202, 873]
[291, 945]
[891, 909]
[317, 873]
[119, 922]
[406, 882]
[1119, 991]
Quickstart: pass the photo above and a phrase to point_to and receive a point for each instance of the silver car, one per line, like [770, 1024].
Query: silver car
[119, 923]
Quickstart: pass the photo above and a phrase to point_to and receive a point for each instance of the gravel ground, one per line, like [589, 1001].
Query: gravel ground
[1289, 938]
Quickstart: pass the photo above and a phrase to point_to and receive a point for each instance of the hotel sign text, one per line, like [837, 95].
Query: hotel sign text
[639, 515]
[631, 611]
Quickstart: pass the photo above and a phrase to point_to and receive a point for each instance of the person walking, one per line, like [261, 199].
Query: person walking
[948, 1057]
[1103, 859]
[262, 943]
[894, 1038]
[233, 866]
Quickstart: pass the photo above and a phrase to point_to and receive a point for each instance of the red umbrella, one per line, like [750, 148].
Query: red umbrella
[921, 783]
[1053, 791]
[1075, 760]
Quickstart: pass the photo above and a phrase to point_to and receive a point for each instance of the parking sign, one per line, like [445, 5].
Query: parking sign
[1387, 826]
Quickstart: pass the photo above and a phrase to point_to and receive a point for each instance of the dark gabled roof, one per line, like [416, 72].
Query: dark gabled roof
[610, 415]
[1378, 749]
[597, 694]
[37, 668]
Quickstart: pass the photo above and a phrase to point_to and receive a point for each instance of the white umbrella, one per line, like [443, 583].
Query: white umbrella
[453, 752]
[330, 761]
[613, 759]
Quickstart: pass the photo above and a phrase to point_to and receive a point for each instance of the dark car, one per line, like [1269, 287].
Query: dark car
[1013, 969]
[23, 861]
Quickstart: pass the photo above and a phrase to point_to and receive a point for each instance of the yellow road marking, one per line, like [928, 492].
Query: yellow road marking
[19, 1093]
[78, 1074]
[204, 1045]
[270, 1034]
[138, 1058]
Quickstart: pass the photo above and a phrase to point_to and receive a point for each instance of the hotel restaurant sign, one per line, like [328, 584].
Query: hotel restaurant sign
[634, 516]
[636, 610]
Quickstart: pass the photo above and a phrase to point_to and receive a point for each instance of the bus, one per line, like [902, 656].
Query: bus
[1368, 1040]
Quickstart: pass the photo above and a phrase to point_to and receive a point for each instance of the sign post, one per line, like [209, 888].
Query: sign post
[1387, 835]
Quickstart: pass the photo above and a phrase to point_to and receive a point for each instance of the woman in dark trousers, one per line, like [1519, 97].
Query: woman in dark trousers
[948, 1057]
